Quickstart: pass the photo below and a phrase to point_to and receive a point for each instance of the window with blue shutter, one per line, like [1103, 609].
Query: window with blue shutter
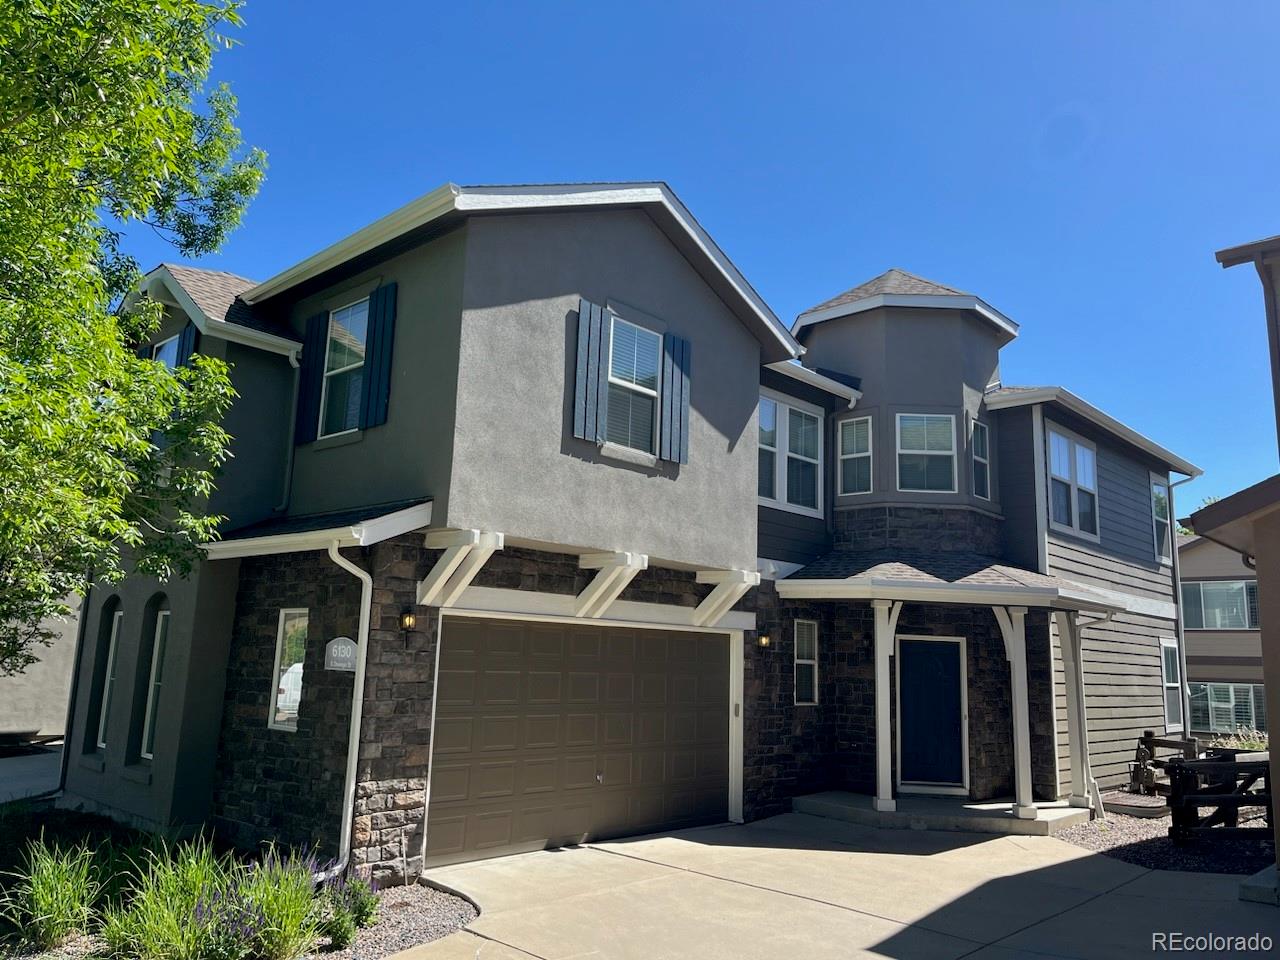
[377, 379]
[631, 385]
[312, 376]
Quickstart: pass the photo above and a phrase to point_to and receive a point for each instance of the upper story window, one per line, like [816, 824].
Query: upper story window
[790, 455]
[1073, 484]
[634, 356]
[341, 392]
[1160, 522]
[1220, 604]
[855, 456]
[166, 351]
[981, 461]
[926, 453]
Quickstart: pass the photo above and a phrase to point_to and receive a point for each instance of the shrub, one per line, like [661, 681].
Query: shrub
[52, 896]
[362, 900]
[339, 923]
[1243, 739]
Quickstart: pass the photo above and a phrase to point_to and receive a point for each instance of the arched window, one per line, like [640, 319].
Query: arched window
[155, 641]
[110, 619]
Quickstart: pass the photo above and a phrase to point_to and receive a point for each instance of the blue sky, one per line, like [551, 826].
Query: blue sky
[1074, 164]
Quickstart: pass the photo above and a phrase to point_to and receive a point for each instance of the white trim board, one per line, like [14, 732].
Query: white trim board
[802, 374]
[1007, 328]
[1095, 416]
[499, 603]
[362, 534]
[878, 588]
[451, 198]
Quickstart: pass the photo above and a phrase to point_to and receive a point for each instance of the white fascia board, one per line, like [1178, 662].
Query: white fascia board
[363, 534]
[919, 301]
[526, 604]
[975, 594]
[207, 325]
[796, 371]
[1088, 411]
[495, 199]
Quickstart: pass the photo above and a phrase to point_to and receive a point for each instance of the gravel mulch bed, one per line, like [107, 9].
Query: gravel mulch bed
[407, 917]
[1144, 841]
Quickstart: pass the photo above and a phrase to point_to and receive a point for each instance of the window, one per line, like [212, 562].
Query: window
[109, 679]
[855, 456]
[343, 385]
[806, 662]
[166, 351]
[926, 453]
[767, 484]
[158, 645]
[286, 689]
[634, 355]
[1172, 670]
[981, 461]
[1227, 707]
[1160, 518]
[1073, 484]
[790, 455]
[1220, 604]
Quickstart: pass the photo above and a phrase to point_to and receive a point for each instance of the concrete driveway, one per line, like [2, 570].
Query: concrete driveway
[30, 775]
[803, 887]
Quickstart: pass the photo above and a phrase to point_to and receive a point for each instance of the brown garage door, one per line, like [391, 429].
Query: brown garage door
[548, 734]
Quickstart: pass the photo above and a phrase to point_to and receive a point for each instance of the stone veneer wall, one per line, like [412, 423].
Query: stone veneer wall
[918, 528]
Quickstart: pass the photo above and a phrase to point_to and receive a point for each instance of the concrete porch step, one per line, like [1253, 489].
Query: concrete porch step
[941, 813]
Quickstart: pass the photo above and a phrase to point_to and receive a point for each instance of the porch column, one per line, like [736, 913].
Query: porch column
[1014, 629]
[886, 622]
[1077, 725]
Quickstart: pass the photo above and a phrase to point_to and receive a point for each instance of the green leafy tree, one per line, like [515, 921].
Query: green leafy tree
[105, 458]
[1187, 531]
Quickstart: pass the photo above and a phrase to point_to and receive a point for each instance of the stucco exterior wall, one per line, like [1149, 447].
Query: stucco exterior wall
[516, 466]
[35, 701]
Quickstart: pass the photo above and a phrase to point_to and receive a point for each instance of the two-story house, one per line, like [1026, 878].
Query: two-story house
[541, 526]
[1223, 638]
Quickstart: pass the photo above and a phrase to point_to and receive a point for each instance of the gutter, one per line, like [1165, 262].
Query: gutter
[357, 709]
[826, 384]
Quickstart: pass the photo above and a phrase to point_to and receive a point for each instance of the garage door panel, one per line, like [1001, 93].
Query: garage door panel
[552, 734]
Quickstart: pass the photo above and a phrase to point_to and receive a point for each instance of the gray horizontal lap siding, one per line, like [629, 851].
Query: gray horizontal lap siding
[791, 537]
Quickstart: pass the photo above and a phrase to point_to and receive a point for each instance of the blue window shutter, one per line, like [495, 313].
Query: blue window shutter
[591, 376]
[311, 379]
[376, 394]
[673, 441]
[188, 339]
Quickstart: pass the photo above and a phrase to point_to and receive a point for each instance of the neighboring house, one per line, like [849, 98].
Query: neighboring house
[1223, 640]
[542, 527]
[34, 702]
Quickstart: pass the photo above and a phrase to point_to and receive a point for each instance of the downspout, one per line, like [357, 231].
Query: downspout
[1185, 686]
[283, 505]
[357, 710]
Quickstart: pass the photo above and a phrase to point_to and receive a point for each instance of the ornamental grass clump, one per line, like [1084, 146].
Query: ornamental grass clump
[52, 896]
[280, 893]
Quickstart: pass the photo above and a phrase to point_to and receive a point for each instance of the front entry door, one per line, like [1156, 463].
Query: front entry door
[932, 751]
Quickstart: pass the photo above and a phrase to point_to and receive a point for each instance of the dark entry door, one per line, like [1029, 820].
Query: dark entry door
[931, 712]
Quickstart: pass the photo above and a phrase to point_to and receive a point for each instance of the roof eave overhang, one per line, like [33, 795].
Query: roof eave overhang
[972, 594]
[1248, 252]
[1006, 329]
[1098, 417]
[362, 534]
[778, 341]
[803, 374]
[162, 277]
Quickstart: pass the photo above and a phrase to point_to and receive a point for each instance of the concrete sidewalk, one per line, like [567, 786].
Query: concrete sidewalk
[807, 887]
[29, 776]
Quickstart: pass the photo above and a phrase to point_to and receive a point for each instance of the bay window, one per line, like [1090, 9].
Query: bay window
[1073, 484]
[790, 452]
[855, 455]
[981, 461]
[926, 453]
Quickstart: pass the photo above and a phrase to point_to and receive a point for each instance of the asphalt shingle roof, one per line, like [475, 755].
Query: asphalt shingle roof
[892, 281]
[217, 294]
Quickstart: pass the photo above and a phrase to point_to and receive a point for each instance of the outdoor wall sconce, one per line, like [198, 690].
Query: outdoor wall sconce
[408, 620]
[763, 640]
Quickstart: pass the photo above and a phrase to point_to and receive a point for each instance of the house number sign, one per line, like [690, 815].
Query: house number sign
[340, 654]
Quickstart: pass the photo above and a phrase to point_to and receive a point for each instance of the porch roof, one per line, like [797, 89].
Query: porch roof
[936, 577]
[361, 526]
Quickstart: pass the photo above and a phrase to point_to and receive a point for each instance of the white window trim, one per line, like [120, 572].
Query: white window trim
[326, 373]
[985, 461]
[798, 661]
[275, 669]
[897, 460]
[1075, 440]
[614, 319]
[1168, 499]
[108, 679]
[782, 451]
[156, 347]
[1166, 685]
[162, 617]
[1199, 585]
[870, 456]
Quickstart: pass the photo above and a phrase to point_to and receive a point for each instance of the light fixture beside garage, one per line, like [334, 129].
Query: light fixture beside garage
[408, 620]
[763, 640]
